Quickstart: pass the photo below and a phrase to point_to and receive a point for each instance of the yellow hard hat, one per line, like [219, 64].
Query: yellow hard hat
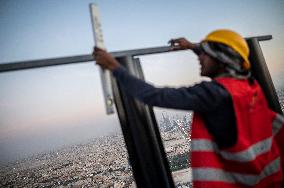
[233, 40]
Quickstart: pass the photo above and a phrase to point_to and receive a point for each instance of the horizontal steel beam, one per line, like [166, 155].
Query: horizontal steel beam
[5, 67]
[20, 65]
[43, 63]
[261, 38]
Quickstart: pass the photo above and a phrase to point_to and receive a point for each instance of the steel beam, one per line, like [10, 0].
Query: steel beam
[13, 66]
[261, 73]
[142, 137]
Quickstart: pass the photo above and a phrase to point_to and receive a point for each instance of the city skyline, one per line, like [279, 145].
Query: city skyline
[86, 164]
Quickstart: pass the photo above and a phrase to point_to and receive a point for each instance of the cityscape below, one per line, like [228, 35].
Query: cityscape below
[102, 162]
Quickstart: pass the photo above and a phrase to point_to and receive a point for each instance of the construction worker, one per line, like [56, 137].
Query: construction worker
[236, 138]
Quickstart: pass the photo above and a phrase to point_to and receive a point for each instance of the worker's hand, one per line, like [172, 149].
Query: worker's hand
[181, 44]
[104, 59]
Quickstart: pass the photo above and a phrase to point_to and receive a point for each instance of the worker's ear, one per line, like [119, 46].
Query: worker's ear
[221, 66]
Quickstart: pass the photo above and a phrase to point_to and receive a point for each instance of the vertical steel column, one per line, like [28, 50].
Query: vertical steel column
[152, 118]
[261, 73]
[144, 145]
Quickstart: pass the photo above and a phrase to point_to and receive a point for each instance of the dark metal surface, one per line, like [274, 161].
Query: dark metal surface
[152, 118]
[13, 66]
[5, 67]
[142, 138]
[261, 73]
[260, 38]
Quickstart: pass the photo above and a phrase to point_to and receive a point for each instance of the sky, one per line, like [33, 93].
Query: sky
[42, 109]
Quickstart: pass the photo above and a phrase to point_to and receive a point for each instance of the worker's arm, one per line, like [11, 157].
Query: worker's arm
[210, 99]
[203, 97]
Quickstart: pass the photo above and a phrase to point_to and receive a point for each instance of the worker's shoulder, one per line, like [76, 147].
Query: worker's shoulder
[211, 87]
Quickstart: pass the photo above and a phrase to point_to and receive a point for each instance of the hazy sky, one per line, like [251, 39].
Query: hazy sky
[48, 107]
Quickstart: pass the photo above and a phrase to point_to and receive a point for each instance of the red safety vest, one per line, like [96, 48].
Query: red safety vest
[254, 161]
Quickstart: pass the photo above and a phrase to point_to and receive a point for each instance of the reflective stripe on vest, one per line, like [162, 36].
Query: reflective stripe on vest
[277, 123]
[216, 174]
[247, 155]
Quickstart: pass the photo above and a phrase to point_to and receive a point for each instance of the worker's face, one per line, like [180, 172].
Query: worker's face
[209, 67]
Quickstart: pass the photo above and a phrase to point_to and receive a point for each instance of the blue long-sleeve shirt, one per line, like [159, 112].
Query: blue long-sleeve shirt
[208, 98]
